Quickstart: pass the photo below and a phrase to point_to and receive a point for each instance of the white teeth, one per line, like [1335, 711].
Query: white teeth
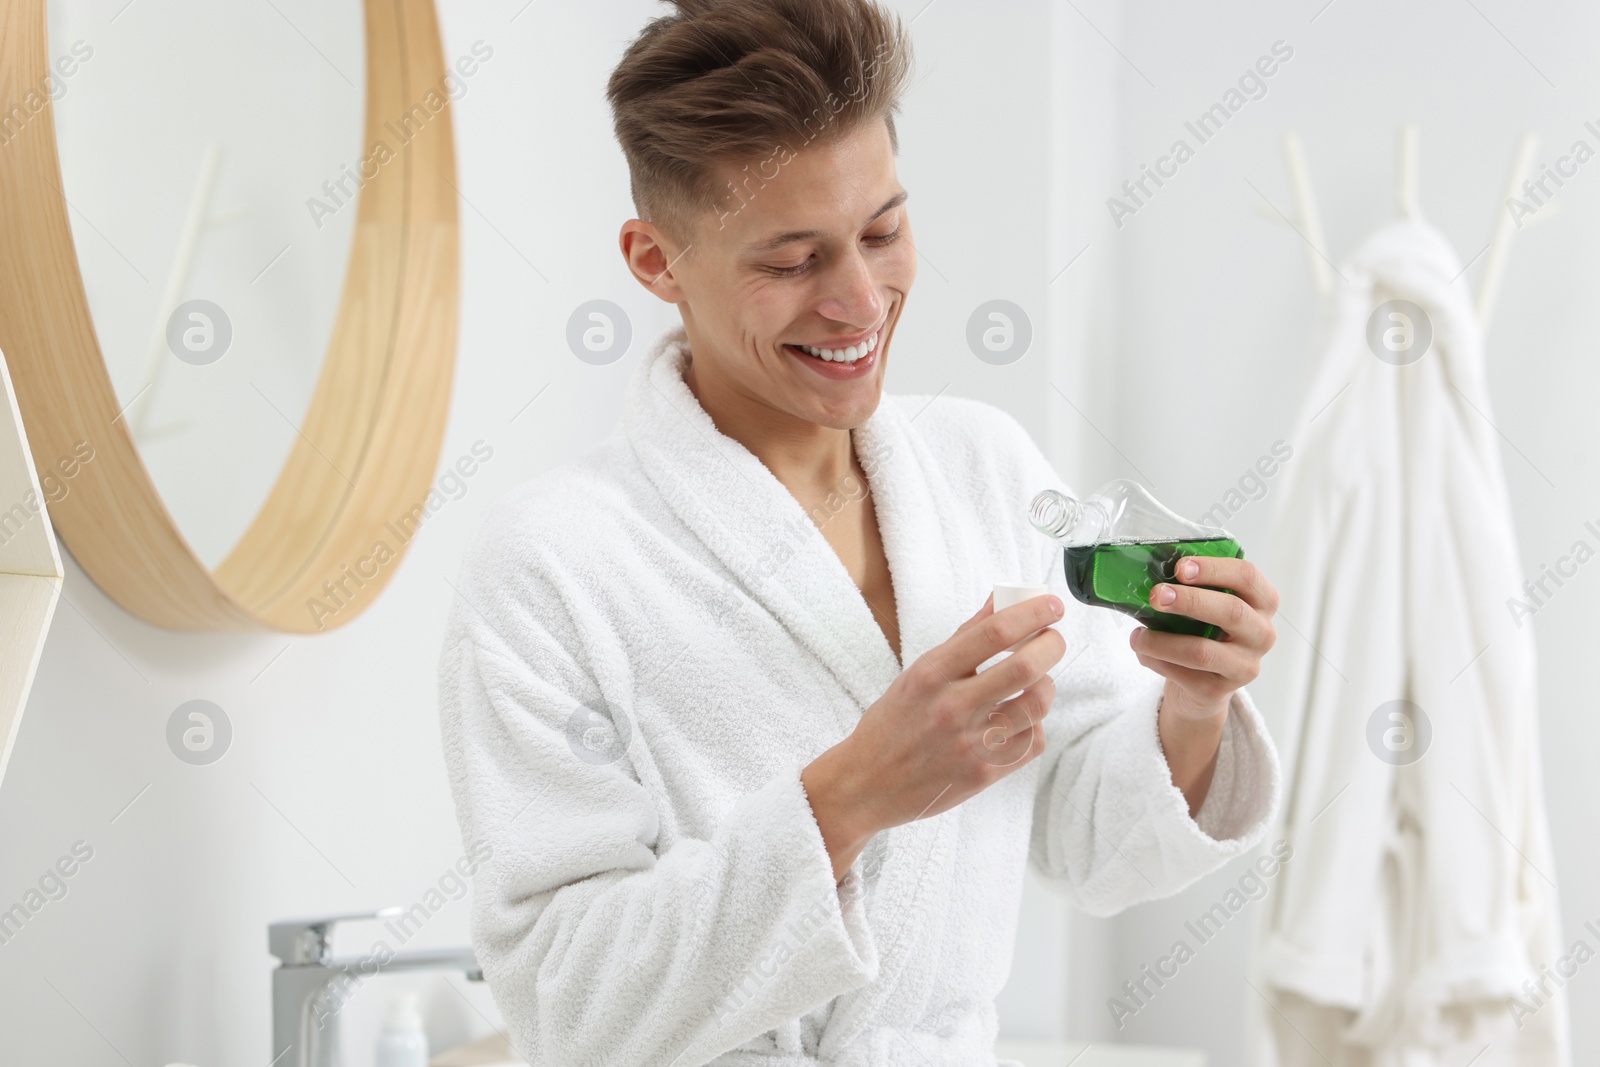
[842, 355]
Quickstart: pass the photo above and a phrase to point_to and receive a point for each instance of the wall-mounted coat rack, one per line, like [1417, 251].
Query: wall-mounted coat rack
[1309, 222]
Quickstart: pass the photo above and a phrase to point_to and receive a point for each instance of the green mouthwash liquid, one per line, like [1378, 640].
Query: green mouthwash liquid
[1120, 574]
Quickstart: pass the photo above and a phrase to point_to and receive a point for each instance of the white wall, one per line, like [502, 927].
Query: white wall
[1215, 313]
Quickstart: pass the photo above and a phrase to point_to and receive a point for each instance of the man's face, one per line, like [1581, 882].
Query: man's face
[817, 253]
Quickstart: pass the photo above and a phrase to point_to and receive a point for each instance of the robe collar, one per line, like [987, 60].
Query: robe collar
[750, 522]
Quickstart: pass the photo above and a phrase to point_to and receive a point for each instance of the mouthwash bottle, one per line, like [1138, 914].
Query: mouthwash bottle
[1120, 542]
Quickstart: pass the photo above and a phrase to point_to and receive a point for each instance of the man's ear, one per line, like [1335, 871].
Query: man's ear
[651, 256]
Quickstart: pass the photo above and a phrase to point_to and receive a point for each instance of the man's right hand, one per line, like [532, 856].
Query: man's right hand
[943, 731]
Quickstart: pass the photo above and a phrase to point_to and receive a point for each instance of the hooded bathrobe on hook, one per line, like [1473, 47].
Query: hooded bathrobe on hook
[648, 646]
[1421, 898]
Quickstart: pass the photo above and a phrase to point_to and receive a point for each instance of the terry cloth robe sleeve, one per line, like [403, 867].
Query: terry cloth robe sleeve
[600, 947]
[1110, 828]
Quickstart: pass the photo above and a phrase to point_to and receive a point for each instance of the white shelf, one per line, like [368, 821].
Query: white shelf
[30, 568]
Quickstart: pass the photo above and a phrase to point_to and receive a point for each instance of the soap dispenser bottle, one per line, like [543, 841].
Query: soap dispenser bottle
[1120, 542]
[401, 1042]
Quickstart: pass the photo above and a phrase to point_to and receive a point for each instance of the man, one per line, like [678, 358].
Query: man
[716, 693]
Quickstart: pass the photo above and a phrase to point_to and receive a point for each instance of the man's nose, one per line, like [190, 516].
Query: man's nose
[852, 293]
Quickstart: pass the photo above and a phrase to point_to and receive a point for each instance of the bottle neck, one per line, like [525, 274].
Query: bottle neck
[1066, 519]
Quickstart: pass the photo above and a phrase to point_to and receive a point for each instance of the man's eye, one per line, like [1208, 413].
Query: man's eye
[877, 240]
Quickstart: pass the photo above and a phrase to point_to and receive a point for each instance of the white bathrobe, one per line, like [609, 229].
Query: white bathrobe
[650, 644]
[1420, 897]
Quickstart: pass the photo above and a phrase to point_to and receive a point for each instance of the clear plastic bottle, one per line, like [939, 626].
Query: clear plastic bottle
[1120, 542]
[401, 1042]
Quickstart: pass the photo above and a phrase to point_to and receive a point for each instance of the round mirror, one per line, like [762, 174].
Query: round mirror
[212, 255]
[228, 276]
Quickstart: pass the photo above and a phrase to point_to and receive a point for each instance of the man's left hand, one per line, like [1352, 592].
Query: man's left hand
[1203, 674]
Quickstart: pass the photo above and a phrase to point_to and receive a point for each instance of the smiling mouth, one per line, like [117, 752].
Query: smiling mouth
[841, 355]
[849, 354]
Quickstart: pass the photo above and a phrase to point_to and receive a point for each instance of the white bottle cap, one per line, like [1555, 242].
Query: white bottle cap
[402, 1012]
[1008, 593]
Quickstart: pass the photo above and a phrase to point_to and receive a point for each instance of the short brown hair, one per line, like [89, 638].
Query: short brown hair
[724, 80]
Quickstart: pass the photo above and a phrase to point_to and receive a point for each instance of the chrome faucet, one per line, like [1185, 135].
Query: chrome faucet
[305, 1000]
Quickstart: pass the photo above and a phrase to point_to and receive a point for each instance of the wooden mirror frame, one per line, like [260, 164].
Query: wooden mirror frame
[382, 395]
